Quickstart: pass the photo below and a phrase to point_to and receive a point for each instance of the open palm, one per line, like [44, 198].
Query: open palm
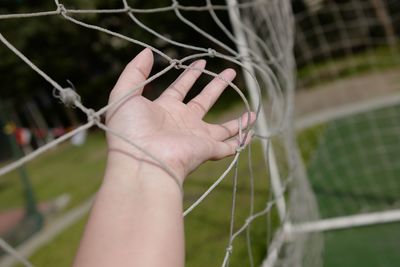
[167, 128]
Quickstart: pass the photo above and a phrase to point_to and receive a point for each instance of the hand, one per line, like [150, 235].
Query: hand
[167, 128]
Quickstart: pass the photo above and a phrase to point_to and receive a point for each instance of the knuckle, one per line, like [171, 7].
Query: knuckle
[174, 91]
[178, 87]
[197, 107]
[221, 81]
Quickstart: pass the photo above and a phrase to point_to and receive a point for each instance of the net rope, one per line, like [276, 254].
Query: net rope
[345, 49]
[272, 63]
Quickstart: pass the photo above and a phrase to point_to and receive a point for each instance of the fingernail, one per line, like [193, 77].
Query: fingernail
[199, 63]
[144, 58]
[145, 52]
[229, 74]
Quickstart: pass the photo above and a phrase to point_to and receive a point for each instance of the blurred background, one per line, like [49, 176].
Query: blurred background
[347, 114]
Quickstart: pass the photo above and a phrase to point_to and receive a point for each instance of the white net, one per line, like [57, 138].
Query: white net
[254, 36]
[348, 112]
[347, 57]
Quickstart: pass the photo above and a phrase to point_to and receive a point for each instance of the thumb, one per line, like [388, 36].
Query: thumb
[135, 72]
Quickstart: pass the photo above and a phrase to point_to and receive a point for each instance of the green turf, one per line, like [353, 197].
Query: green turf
[207, 227]
[66, 169]
[328, 70]
[373, 246]
[353, 166]
[78, 171]
[356, 164]
[60, 252]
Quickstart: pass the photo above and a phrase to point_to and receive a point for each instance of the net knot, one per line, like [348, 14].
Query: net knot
[229, 249]
[61, 9]
[175, 4]
[68, 96]
[240, 137]
[177, 64]
[92, 116]
[211, 52]
[240, 148]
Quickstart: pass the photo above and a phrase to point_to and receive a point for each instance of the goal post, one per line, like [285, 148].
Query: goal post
[267, 70]
[257, 103]
[348, 111]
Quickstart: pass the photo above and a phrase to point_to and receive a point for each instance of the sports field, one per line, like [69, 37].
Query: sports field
[354, 167]
[78, 172]
[352, 164]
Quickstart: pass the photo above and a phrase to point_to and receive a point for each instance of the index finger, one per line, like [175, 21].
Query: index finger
[135, 73]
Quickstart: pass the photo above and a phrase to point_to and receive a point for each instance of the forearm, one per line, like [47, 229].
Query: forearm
[136, 219]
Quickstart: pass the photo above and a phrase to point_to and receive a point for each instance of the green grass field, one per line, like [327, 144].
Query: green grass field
[62, 170]
[328, 70]
[353, 166]
[332, 154]
[78, 171]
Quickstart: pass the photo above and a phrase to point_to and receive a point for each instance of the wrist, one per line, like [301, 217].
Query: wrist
[125, 169]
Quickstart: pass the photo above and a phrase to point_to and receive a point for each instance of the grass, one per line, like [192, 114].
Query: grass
[372, 59]
[206, 227]
[356, 163]
[308, 141]
[353, 168]
[62, 170]
[78, 172]
[60, 251]
[370, 246]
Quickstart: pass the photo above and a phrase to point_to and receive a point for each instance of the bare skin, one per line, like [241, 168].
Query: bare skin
[136, 219]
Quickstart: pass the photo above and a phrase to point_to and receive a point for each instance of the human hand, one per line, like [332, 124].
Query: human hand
[168, 129]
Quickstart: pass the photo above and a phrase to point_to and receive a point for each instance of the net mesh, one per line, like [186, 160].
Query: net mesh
[347, 106]
[347, 58]
[265, 57]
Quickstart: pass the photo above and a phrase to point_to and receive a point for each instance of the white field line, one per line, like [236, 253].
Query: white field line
[346, 110]
[48, 233]
[342, 222]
